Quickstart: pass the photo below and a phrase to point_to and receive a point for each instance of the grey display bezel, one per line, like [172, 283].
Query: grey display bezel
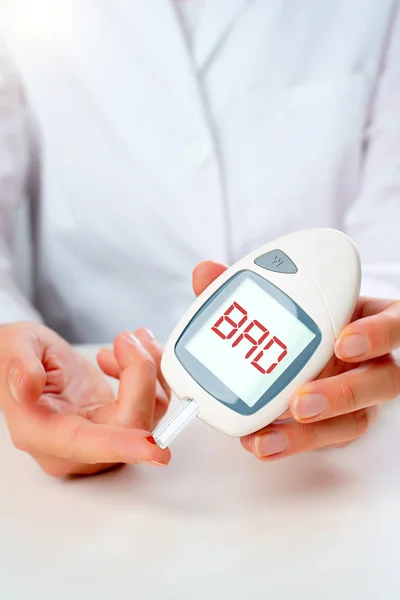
[214, 386]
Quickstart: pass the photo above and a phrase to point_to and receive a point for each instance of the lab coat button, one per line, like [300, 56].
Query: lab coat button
[198, 153]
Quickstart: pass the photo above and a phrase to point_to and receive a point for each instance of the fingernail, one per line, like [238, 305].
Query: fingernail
[351, 346]
[131, 339]
[309, 405]
[270, 443]
[145, 335]
[152, 462]
[246, 442]
[151, 440]
[14, 380]
[149, 333]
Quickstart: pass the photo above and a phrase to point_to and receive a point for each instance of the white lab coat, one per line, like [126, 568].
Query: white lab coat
[285, 116]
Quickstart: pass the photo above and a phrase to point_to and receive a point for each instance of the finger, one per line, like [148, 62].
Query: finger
[147, 339]
[137, 388]
[204, 274]
[367, 307]
[22, 374]
[74, 438]
[370, 384]
[281, 440]
[372, 336]
[110, 367]
[108, 363]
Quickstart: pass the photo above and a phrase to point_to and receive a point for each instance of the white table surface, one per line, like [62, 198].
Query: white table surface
[215, 524]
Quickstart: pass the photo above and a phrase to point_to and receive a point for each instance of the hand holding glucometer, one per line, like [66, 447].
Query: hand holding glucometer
[261, 330]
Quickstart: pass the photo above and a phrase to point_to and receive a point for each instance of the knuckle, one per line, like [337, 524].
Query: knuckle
[389, 331]
[114, 456]
[147, 364]
[309, 439]
[73, 451]
[363, 419]
[348, 397]
[390, 326]
[393, 374]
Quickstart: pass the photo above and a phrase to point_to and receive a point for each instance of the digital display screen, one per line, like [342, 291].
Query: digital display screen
[249, 340]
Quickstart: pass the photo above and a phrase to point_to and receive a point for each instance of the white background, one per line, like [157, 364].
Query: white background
[215, 524]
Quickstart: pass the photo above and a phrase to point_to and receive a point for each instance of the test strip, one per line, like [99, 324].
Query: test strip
[167, 432]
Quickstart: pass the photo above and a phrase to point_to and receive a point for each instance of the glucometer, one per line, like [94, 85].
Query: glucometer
[261, 330]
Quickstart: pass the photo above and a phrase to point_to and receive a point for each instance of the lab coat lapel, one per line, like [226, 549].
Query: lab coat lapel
[164, 36]
[165, 39]
[217, 21]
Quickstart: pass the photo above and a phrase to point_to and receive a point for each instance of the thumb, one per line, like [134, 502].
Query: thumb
[204, 274]
[373, 335]
[27, 382]
[23, 375]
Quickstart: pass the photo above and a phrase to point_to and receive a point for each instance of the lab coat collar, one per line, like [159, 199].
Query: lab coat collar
[217, 21]
[158, 23]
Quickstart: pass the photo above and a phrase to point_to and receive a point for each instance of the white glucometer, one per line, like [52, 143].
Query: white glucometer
[261, 330]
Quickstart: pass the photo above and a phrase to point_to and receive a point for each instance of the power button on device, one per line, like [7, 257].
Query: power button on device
[277, 261]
